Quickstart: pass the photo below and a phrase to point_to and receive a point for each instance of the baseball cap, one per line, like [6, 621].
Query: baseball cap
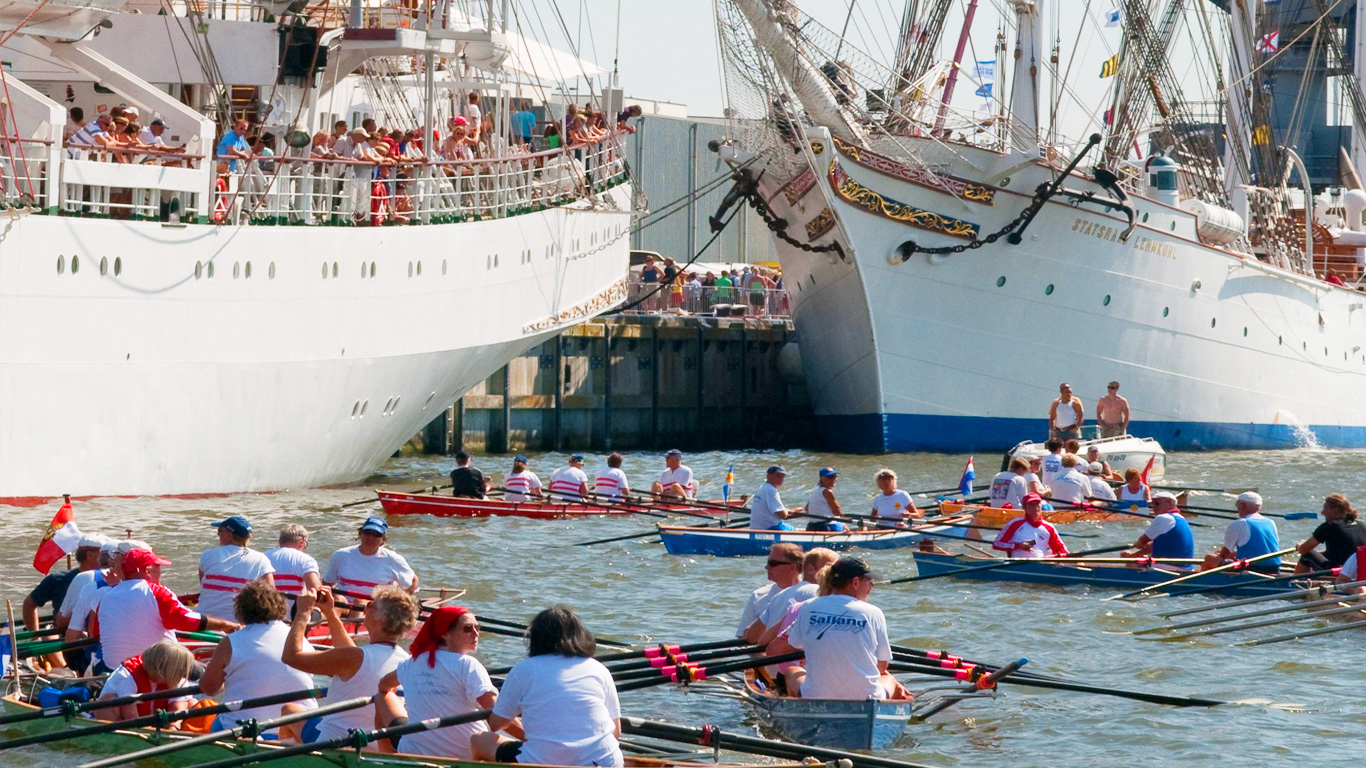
[240, 526]
[674, 452]
[849, 567]
[1095, 468]
[1250, 497]
[138, 559]
[1031, 497]
[158, 121]
[375, 524]
[777, 469]
[825, 472]
[522, 459]
[93, 541]
[576, 457]
[1164, 495]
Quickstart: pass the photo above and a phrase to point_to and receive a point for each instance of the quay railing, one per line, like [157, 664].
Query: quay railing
[729, 301]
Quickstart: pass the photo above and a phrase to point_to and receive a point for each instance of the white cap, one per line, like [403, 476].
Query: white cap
[1251, 497]
[116, 547]
[1164, 495]
[1095, 468]
[91, 540]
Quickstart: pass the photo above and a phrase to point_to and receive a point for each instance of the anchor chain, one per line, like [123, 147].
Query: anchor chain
[910, 248]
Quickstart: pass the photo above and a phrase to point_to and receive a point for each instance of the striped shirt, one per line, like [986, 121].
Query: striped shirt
[291, 566]
[520, 484]
[611, 483]
[567, 481]
[353, 571]
[226, 569]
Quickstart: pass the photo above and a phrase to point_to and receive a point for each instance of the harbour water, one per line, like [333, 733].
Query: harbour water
[1296, 701]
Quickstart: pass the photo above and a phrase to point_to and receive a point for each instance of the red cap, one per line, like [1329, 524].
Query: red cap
[1031, 497]
[140, 559]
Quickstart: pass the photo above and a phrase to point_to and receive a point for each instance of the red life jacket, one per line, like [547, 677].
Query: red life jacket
[1361, 563]
[145, 684]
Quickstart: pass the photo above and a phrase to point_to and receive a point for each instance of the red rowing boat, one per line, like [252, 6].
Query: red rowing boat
[396, 503]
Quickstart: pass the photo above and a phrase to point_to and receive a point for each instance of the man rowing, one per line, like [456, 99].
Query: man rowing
[782, 603]
[224, 569]
[569, 482]
[1251, 535]
[1009, 487]
[784, 568]
[1100, 484]
[766, 510]
[83, 614]
[676, 480]
[1168, 535]
[522, 484]
[1093, 455]
[891, 505]
[1071, 485]
[1030, 535]
[467, 482]
[1339, 533]
[845, 639]
[356, 570]
[611, 483]
[295, 569]
[822, 504]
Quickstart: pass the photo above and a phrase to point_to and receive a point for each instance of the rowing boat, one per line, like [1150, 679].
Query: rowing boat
[748, 542]
[996, 517]
[834, 723]
[396, 503]
[1104, 575]
[127, 741]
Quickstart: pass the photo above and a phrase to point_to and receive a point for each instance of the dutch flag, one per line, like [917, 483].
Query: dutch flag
[965, 485]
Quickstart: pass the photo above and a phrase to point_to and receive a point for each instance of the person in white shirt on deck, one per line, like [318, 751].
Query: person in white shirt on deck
[845, 639]
[822, 504]
[611, 482]
[569, 482]
[1100, 486]
[522, 484]
[356, 571]
[1071, 486]
[295, 569]
[1008, 488]
[893, 506]
[766, 510]
[1030, 535]
[676, 480]
[226, 568]
[784, 569]
[565, 697]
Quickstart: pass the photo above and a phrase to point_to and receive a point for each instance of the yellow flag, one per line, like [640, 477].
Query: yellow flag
[1110, 67]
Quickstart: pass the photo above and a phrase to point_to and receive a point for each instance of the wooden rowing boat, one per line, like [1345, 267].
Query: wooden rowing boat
[833, 723]
[1111, 576]
[996, 517]
[134, 739]
[748, 542]
[396, 503]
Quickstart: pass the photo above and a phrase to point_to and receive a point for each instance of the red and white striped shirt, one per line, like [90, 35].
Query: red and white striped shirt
[137, 614]
[1019, 531]
[520, 484]
[611, 483]
[291, 566]
[567, 481]
[358, 573]
[226, 569]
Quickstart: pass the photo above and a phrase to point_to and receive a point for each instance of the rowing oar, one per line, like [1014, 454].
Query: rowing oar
[663, 650]
[1107, 506]
[1066, 685]
[357, 738]
[985, 683]
[1315, 591]
[647, 534]
[1235, 565]
[658, 662]
[681, 670]
[688, 673]
[43, 648]
[71, 708]
[1005, 563]
[424, 489]
[159, 719]
[1268, 580]
[247, 729]
[1246, 615]
[711, 736]
[522, 628]
[945, 660]
[1230, 514]
[699, 504]
[1215, 630]
[1232, 491]
[1305, 633]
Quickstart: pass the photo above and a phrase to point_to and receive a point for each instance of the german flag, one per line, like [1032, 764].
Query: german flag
[1110, 67]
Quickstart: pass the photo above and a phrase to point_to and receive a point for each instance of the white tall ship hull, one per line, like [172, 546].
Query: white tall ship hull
[964, 352]
[307, 358]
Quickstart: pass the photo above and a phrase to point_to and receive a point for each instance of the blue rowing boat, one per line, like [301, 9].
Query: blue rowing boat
[748, 542]
[832, 723]
[1116, 576]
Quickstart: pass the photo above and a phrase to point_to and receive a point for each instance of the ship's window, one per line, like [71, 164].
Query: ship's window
[246, 272]
[429, 401]
[443, 266]
[1173, 226]
[396, 402]
[271, 271]
[61, 264]
[324, 270]
[363, 406]
[198, 269]
[1145, 217]
[1245, 331]
[1165, 310]
[75, 263]
[419, 269]
[1001, 281]
[1280, 340]
[118, 266]
[236, 269]
[364, 269]
[410, 269]
[104, 265]
[1049, 290]
[355, 409]
[334, 269]
[208, 270]
[372, 269]
[1106, 301]
[1212, 321]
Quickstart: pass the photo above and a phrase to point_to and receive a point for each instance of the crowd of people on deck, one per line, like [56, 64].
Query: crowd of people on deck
[120, 135]
[664, 286]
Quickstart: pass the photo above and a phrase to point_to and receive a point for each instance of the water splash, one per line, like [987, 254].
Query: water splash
[1305, 438]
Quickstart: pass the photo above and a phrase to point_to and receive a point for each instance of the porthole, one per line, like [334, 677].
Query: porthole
[372, 269]
[387, 404]
[198, 269]
[1304, 346]
[355, 409]
[443, 266]
[271, 272]
[1245, 331]
[236, 270]
[1212, 321]
[118, 266]
[104, 265]
[364, 269]
[1001, 281]
[1325, 351]
[324, 270]
[75, 263]
[1049, 290]
[1165, 310]
[334, 269]
[1173, 226]
[1105, 302]
[1280, 340]
[419, 269]
[495, 261]
[397, 400]
[61, 265]
[246, 272]
[363, 406]
[1145, 217]
[429, 401]
[208, 270]
[410, 269]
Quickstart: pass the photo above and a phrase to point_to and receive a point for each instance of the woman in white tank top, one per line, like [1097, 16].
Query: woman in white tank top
[355, 671]
[818, 504]
[247, 665]
[1133, 488]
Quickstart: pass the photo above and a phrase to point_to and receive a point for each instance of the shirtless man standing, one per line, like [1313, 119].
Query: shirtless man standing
[1112, 412]
[1065, 415]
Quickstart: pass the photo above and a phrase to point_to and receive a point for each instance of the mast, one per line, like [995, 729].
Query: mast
[1237, 155]
[1024, 91]
[1359, 71]
[957, 64]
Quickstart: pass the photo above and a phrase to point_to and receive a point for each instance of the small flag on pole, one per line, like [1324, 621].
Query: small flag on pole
[1112, 17]
[725, 488]
[965, 485]
[986, 75]
[1110, 67]
[1270, 42]
[1261, 135]
[61, 538]
[1148, 469]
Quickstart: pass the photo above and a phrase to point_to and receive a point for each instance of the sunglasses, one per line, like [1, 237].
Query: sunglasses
[777, 563]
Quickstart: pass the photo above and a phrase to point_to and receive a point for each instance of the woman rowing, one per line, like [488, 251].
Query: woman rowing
[566, 699]
[1134, 489]
[247, 664]
[845, 639]
[441, 678]
[355, 671]
[162, 667]
[1340, 534]
[891, 505]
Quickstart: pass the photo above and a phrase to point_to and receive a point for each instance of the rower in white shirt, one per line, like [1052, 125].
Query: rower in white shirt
[1030, 536]
[357, 571]
[611, 482]
[822, 506]
[226, 568]
[1010, 486]
[569, 482]
[296, 571]
[676, 480]
[1100, 486]
[1071, 486]
[766, 510]
[522, 484]
[891, 505]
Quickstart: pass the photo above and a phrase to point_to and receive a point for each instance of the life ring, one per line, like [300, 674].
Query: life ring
[220, 202]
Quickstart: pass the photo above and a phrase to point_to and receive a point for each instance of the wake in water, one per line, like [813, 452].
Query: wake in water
[1305, 438]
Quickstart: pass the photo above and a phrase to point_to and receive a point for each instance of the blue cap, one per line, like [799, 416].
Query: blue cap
[576, 457]
[828, 472]
[522, 459]
[240, 526]
[674, 452]
[777, 469]
[376, 524]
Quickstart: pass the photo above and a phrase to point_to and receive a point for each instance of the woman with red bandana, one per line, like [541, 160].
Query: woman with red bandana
[442, 678]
